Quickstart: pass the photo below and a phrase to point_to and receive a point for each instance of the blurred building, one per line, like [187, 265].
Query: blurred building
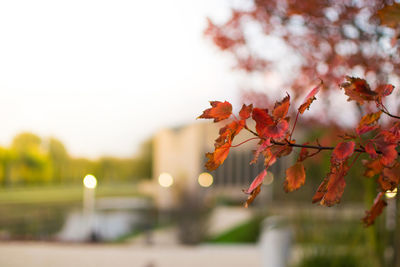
[180, 152]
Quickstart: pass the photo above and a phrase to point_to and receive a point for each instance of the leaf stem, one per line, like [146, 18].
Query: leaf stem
[294, 125]
[384, 110]
[253, 138]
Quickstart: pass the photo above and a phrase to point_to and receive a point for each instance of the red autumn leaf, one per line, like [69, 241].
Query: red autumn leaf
[384, 90]
[262, 119]
[219, 111]
[256, 182]
[277, 131]
[320, 191]
[375, 211]
[390, 178]
[370, 149]
[343, 151]
[372, 167]
[269, 157]
[252, 196]
[295, 177]
[358, 90]
[303, 153]
[309, 98]
[218, 157]
[260, 148]
[281, 108]
[331, 189]
[228, 132]
[245, 112]
[368, 120]
[365, 129]
[389, 154]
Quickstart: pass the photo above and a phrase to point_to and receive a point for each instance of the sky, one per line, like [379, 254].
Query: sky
[103, 76]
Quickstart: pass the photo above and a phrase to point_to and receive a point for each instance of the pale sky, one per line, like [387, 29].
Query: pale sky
[102, 76]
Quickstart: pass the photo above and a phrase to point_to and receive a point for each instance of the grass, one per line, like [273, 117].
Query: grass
[60, 194]
[247, 232]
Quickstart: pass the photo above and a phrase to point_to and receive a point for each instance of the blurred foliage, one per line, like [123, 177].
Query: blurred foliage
[31, 160]
[247, 232]
[331, 260]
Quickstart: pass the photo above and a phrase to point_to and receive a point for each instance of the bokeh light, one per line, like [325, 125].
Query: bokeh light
[205, 179]
[391, 193]
[165, 179]
[90, 181]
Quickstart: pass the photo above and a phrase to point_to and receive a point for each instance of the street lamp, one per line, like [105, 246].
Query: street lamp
[90, 183]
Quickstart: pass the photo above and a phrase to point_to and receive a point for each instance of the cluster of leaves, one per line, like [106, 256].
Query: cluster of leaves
[273, 131]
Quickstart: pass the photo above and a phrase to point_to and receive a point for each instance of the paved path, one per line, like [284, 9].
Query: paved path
[33, 254]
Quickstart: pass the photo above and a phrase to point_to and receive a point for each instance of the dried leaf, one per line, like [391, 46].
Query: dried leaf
[358, 90]
[252, 196]
[295, 177]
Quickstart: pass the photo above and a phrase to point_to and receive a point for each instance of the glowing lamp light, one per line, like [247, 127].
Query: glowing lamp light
[269, 178]
[90, 181]
[391, 193]
[205, 179]
[165, 179]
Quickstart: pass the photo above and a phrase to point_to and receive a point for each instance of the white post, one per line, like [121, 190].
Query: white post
[275, 241]
[89, 183]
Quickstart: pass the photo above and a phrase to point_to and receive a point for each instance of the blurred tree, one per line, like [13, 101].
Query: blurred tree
[59, 160]
[31, 164]
[321, 39]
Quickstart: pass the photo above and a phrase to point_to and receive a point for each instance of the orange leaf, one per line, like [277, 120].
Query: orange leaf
[373, 167]
[256, 182]
[309, 98]
[368, 121]
[390, 15]
[228, 132]
[281, 108]
[219, 111]
[331, 189]
[358, 90]
[218, 157]
[245, 112]
[303, 153]
[390, 178]
[384, 90]
[343, 151]
[389, 154]
[260, 148]
[295, 177]
[370, 149]
[365, 129]
[277, 131]
[375, 211]
[252, 196]
[269, 157]
[262, 119]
